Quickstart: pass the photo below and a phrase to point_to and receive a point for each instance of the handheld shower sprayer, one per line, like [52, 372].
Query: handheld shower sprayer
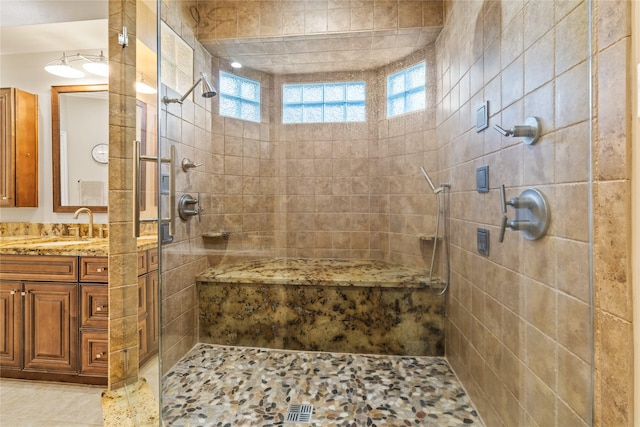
[441, 209]
[433, 187]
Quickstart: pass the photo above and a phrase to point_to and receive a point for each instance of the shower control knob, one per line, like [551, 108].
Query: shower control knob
[503, 228]
[532, 214]
[503, 199]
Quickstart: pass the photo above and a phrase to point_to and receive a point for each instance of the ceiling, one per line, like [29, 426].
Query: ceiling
[28, 26]
[327, 52]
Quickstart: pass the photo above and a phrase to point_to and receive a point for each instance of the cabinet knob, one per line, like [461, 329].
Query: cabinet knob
[101, 307]
[12, 292]
[99, 355]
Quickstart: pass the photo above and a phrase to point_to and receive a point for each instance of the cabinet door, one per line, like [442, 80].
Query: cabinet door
[19, 148]
[50, 326]
[152, 311]
[7, 163]
[11, 326]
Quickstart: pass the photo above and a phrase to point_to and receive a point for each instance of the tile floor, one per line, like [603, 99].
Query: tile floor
[235, 386]
[42, 404]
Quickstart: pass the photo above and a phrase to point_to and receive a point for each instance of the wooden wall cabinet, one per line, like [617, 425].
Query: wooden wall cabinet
[18, 148]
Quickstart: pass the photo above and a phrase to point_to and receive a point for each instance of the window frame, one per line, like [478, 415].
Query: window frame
[406, 93]
[238, 96]
[323, 103]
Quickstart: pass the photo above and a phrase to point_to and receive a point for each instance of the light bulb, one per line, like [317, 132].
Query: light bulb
[142, 87]
[98, 68]
[64, 70]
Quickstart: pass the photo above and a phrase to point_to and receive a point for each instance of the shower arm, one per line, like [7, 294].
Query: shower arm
[168, 100]
[207, 90]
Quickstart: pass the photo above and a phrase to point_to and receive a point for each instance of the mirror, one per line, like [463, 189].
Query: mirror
[80, 142]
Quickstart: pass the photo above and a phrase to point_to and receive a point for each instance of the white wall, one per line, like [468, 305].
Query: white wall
[27, 72]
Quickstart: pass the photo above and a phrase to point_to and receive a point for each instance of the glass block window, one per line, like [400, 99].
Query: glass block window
[406, 90]
[323, 102]
[239, 97]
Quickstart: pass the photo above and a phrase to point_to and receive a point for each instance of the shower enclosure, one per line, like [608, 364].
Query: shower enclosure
[517, 314]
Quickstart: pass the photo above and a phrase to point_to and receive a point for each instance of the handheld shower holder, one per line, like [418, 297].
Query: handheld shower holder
[529, 132]
[187, 164]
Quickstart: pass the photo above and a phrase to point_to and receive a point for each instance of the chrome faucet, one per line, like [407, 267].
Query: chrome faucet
[90, 214]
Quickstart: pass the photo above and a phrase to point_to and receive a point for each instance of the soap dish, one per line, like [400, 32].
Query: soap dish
[216, 235]
[427, 237]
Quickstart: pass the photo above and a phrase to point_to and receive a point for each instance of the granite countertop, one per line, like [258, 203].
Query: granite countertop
[325, 272]
[69, 246]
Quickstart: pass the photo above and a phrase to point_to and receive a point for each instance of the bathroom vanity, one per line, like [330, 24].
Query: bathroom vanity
[54, 305]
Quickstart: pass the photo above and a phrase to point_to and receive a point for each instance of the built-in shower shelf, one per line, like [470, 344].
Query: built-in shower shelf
[427, 237]
[216, 235]
[436, 283]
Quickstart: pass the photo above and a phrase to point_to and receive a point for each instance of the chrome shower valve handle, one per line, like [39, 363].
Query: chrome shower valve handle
[503, 199]
[532, 214]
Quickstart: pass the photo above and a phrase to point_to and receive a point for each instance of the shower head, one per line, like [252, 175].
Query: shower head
[433, 187]
[208, 91]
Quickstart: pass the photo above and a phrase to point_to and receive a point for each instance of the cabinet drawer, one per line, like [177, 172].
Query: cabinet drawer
[39, 268]
[94, 302]
[153, 259]
[94, 269]
[95, 353]
[142, 262]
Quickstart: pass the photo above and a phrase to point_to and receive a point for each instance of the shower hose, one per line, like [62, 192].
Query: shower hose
[441, 206]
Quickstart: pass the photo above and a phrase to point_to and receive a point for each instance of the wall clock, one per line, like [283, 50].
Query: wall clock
[100, 153]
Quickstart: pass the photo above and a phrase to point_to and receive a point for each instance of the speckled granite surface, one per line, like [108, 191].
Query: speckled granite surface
[56, 245]
[133, 405]
[321, 305]
[312, 271]
[239, 386]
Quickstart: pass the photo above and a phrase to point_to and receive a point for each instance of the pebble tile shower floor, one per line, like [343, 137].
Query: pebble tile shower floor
[239, 386]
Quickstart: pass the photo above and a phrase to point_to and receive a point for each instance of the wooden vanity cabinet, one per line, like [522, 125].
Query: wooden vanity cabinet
[94, 316]
[148, 305]
[11, 329]
[50, 326]
[40, 320]
[18, 148]
[55, 312]
[95, 311]
[47, 312]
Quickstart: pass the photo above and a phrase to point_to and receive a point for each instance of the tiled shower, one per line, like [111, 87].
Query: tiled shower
[518, 331]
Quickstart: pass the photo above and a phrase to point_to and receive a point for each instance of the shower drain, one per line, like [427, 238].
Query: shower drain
[299, 413]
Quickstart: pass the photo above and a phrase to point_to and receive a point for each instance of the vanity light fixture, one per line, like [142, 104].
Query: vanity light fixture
[60, 67]
[94, 64]
[142, 87]
[97, 65]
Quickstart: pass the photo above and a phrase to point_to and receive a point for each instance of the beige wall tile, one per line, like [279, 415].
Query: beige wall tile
[614, 103]
[571, 39]
[611, 262]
